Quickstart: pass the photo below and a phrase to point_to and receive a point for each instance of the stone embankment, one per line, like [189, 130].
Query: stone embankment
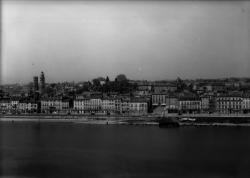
[150, 119]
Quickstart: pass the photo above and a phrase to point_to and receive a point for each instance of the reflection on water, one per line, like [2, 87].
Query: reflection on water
[78, 150]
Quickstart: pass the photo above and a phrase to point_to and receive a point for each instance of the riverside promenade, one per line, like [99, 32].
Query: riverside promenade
[87, 119]
[149, 119]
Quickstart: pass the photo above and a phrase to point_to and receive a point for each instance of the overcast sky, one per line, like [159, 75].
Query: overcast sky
[149, 40]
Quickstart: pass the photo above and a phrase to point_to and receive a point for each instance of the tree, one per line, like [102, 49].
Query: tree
[180, 84]
[107, 79]
[96, 82]
[50, 91]
[89, 83]
[53, 85]
[121, 84]
[80, 90]
[190, 87]
[121, 77]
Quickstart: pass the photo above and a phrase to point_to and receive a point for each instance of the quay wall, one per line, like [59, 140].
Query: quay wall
[190, 118]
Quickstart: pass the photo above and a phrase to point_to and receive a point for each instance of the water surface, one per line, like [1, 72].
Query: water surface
[81, 150]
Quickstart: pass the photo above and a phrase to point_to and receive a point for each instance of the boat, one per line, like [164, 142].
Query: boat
[168, 121]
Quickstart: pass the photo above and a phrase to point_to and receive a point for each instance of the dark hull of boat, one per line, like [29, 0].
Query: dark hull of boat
[169, 122]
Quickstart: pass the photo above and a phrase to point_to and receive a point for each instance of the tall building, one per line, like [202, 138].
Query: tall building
[42, 82]
[36, 87]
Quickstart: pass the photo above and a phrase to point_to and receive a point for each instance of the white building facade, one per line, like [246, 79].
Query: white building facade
[54, 106]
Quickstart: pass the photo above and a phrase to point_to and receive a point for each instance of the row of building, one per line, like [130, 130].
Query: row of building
[226, 104]
[10, 106]
[137, 106]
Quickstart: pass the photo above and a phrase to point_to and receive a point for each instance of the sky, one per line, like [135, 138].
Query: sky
[145, 40]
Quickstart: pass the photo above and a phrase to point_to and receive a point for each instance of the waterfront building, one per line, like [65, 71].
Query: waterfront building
[167, 100]
[14, 102]
[124, 106]
[118, 105]
[159, 99]
[65, 106]
[138, 106]
[109, 105]
[211, 97]
[229, 104]
[5, 105]
[79, 105]
[92, 105]
[95, 104]
[22, 107]
[17, 106]
[54, 105]
[190, 104]
[246, 103]
[27, 107]
[172, 104]
[205, 102]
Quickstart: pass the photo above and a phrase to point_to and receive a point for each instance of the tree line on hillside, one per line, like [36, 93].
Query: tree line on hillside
[120, 85]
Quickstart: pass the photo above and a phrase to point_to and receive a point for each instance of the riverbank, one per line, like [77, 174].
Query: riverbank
[215, 124]
[225, 121]
[98, 117]
[81, 120]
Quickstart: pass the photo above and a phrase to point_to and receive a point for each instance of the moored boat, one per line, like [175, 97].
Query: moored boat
[169, 122]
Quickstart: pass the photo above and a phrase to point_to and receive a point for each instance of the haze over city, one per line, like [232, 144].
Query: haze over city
[81, 40]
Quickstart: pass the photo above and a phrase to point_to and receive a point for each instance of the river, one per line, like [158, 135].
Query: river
[29, 149]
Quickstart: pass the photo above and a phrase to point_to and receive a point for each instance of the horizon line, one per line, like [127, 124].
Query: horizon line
[145, 80]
